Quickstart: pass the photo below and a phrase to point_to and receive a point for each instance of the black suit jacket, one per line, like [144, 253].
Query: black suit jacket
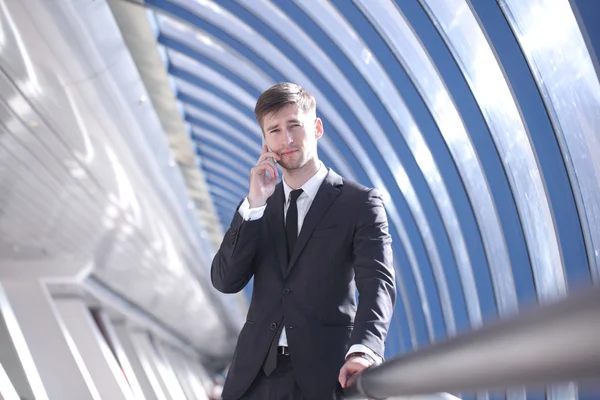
[344, 244]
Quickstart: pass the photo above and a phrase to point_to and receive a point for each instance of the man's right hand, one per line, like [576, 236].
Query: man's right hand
[261, 185]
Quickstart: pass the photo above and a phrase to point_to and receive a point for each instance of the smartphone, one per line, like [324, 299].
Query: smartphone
[264, 142]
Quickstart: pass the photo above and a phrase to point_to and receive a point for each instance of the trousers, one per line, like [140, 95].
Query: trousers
[279, 385]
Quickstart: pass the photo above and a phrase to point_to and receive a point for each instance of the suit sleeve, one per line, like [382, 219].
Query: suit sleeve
[232, 266]
[374, 275]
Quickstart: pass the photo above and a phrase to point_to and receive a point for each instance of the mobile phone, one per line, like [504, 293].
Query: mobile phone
[264, 142]
[273, 161]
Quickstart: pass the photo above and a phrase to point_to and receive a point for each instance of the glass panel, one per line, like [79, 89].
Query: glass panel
[564, 72]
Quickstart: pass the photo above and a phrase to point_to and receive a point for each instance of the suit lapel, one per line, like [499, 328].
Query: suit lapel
[326, 194]
[274, 213]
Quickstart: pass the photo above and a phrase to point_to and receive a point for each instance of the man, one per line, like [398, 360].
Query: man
[310, 242]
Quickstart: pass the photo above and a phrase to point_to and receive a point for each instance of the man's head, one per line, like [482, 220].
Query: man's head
[287, 115]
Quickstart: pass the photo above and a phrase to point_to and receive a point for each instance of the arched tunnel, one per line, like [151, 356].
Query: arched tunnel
[128, 132]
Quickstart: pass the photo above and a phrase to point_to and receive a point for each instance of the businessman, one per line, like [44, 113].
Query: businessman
[309, 242]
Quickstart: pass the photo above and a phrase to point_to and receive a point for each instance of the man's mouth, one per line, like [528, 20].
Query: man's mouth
[287, 153]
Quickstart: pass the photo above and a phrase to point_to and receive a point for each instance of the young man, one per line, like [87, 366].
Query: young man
[310, 242]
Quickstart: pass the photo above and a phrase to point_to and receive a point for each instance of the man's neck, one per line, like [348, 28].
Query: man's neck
[298, 177]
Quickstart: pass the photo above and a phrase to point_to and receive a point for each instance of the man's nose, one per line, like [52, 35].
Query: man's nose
[289, 139]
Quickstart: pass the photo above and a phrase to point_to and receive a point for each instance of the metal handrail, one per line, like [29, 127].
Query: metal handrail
[556, 343]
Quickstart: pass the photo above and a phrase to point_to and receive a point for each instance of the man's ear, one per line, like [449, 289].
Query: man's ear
[319, 128]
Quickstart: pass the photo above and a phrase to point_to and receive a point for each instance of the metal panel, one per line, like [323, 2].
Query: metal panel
[167, 373]
[218, 124]
[564, 72]
[208, 137]
[7, 391]
[136, 370]
[214, 78]
[211, 100]
[226, 173]
[225, 194]
[393, 27]
[86, 168]
[460, 29]
[188, 381]
[12, 366]
[206, 45]
[49, 357]
[123, 353]
[230, 160]
[149, 362]
[198, 380]
[97, 356]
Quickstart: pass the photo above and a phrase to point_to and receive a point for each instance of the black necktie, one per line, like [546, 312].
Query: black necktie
[291, 222]
[291, 232]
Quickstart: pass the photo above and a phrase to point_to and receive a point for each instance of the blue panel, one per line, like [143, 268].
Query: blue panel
[206, 144]
[545, 143]
[230, 121]
[254, 150]
[214, 89]
[180, 47]
[483, 144]
[412, 292]
[587, 12]
[215, 181]
[222, 156]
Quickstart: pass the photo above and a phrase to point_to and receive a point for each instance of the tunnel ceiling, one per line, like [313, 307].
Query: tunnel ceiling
[477, 121]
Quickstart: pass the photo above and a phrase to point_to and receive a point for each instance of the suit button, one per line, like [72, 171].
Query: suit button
[273, 326]
[286, 291]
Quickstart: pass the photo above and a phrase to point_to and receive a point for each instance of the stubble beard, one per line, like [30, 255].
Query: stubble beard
[294, 165]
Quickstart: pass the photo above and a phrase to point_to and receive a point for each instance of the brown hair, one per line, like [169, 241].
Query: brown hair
[281, 95]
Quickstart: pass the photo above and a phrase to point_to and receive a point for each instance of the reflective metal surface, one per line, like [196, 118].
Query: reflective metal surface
[525, 350]
[564, 72]
[401, 39]
[86, 172]
[466, 40]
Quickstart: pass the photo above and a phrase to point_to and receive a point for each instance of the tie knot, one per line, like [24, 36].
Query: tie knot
[294, 194]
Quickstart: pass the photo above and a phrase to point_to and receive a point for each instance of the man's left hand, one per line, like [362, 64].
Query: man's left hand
[352, 369]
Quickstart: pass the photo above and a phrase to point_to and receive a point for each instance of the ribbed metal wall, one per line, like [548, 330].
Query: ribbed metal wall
[479, 121]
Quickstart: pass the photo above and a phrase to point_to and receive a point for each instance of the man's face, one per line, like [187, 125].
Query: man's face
[292, 133]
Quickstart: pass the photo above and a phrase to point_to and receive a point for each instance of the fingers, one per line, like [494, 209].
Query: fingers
[350, 372]
[343, 377]
[352, 379]
[263, 168]
[266, 154]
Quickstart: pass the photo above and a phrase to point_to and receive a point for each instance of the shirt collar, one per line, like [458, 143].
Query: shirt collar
[311, 187]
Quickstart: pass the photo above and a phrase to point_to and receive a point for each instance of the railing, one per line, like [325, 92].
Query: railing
[556, 343]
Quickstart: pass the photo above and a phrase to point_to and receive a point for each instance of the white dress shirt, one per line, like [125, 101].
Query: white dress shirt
[310, 189]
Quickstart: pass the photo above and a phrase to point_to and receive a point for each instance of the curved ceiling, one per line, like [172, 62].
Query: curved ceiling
[477, 120]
